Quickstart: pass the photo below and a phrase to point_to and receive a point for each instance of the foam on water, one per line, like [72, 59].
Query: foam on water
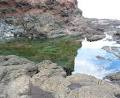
[93, 60]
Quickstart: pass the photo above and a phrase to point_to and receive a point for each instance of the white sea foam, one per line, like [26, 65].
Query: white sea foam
[107, 41]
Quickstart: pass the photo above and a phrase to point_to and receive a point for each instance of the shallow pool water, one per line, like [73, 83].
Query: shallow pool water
[93, 59]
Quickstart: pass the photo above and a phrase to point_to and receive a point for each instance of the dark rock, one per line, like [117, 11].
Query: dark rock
[117, 96]
[114, 78]
[23, 5]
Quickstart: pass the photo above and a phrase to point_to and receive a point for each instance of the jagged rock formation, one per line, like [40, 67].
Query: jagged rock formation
[21, 78]
[37, 18]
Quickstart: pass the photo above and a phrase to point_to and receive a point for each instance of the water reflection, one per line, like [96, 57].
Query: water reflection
[92, 59]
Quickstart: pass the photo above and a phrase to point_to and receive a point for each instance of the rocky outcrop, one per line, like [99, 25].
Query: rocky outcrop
[36, 18]
[21, 78]
[111, 27]
[14, 72]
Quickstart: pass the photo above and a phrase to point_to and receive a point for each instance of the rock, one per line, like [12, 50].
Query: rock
[57, 82]
[8, 31]
[79, 86]
[116, 37]
[14, 71]
[36, 19]
[21, 78]
[51, 67]
[12, 60]
[41, 19]
[83, 80]
[89, 86]
[50, 77]
[91, 92]
[46, 70]
[95, 37]
[101, 26]
[36, 92]
[114, 50]
[19, 88]
[114, 78]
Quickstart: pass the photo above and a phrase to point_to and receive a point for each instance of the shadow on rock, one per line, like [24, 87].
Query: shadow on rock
[36, 92]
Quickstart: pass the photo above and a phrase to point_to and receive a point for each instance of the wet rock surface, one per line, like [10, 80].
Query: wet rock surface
[114, 50]
[21, 78]
[114, 78]
[111, 27]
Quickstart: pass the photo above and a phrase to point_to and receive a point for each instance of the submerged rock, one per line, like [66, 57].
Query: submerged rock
[114, 50]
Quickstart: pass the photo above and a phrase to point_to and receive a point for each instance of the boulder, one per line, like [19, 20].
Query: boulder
[14, 73]
[47, 69]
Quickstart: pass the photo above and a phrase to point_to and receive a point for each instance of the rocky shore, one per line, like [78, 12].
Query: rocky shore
[36, 19]
[21, 78]
[49, 19]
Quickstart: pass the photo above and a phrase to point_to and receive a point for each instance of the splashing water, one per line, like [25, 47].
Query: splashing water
[92, 59]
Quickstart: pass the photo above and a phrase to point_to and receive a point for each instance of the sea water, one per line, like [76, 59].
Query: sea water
[93, 60]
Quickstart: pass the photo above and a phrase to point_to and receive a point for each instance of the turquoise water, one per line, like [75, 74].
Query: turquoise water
[93, 60]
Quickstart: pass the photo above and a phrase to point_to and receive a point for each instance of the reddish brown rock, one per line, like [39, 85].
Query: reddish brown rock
[36, 18]
[14, 7]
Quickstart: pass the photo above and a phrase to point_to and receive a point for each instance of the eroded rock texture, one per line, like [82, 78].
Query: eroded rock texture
[21, 78]
[41, 19]
[36, 18]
